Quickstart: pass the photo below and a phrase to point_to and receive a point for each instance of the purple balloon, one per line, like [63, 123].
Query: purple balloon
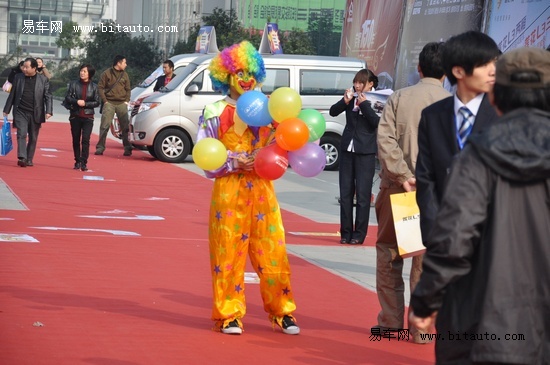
[307, 161]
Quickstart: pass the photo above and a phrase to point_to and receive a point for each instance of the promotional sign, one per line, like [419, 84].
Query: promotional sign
[206, 40]
[519, 23]
[371, 33]
[270, 40]
[432, 21]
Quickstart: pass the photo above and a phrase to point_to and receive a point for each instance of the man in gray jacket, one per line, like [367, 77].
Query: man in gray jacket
[31, 99]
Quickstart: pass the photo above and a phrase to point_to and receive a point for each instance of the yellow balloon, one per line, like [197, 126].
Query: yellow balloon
[284, 103]
[209, 154]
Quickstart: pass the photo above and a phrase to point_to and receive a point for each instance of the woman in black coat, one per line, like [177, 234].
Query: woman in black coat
[357, 156]
[82, 97]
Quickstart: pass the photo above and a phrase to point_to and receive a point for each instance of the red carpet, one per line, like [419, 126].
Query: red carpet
[110, 299]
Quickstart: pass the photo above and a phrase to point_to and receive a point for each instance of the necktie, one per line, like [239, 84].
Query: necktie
[466, 125]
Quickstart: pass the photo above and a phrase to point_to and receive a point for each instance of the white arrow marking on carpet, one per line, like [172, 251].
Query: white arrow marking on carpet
[137, 217]
[111, 231]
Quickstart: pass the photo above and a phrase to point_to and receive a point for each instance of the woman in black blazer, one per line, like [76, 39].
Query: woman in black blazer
[357, 156]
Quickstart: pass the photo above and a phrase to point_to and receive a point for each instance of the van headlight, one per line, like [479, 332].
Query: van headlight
[146, 106]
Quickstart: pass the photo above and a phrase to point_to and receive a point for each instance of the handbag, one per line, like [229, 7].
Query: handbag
[65, 103]
[406, 220]
[6, 143]
[7, 86]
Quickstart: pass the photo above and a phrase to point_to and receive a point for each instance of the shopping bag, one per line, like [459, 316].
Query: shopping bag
[6, 144]
[7, 86]
[406, 220]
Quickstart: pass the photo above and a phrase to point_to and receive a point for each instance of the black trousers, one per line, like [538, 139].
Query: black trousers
[81, 130]
[356, 176]
[25, 124]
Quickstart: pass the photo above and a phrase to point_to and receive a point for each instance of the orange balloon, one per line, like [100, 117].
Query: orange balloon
[292, 134]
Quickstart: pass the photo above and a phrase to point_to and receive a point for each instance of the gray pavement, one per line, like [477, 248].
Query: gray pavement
[313, 198]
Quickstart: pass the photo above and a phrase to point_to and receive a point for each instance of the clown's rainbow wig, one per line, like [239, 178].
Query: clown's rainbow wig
[238, 57]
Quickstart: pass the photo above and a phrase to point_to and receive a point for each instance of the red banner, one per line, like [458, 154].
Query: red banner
[371, 33]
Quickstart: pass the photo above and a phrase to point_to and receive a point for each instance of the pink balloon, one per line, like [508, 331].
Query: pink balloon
[308, 161]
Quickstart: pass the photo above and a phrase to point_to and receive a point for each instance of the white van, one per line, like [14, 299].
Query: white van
[166, 122]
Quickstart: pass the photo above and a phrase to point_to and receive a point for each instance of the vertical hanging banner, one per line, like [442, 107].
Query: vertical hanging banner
[371, 33]
[519, 23]
[432, 21]
[206, 40]
[270, 40]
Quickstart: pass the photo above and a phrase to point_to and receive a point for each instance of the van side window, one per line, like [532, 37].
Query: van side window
[274, 79]
[198, 80]
[325, 82]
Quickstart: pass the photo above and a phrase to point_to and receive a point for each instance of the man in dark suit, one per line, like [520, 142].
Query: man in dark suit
[168, 68]
[32, 105]
[469, 61]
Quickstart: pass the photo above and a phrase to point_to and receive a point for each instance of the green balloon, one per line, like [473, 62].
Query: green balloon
[315, 123]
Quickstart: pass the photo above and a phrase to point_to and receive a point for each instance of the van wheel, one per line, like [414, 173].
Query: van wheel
[151, 150]
[331, 145]
[172, 145]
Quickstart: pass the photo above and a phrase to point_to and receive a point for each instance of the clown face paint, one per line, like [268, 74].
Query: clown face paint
[242, 81]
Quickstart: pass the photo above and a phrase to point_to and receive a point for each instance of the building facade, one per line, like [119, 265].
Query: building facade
[34, 25]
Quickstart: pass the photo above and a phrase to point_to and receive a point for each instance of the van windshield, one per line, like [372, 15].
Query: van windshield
[151, 78]
[179, 78]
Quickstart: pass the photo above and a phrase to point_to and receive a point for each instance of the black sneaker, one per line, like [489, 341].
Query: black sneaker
[127, 153]
[21, 162]
[289, 326]
[76, 166]
[83, 167]
[29, 163]
[98, 153]
[232, 328]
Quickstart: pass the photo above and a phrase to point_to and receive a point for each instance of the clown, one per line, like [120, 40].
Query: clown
[245, 218]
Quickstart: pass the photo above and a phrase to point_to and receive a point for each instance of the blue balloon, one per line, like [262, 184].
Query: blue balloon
[252, 109]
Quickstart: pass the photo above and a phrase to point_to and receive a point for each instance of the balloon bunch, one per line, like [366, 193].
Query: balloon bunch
[294, 136]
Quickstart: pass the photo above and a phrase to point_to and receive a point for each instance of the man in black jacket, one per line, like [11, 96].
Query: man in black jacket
[469, 62]
[31, 99]
[487, 264]
[168, 68]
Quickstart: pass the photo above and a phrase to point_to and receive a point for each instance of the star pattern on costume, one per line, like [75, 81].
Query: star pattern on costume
[270, 281]
[244, 237]
[260, 269]
[229, 213]
[218, 215]
[260, 216]
[236, 227]
[248, 202]
[222, 250]
[261, 199]
[260, 252]
[228, 267]
[224, 196]
[249, 185]
[238, 288]
[217, 269]
[286, 291]
[274, 263]
[281, 242]
[272, 228]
